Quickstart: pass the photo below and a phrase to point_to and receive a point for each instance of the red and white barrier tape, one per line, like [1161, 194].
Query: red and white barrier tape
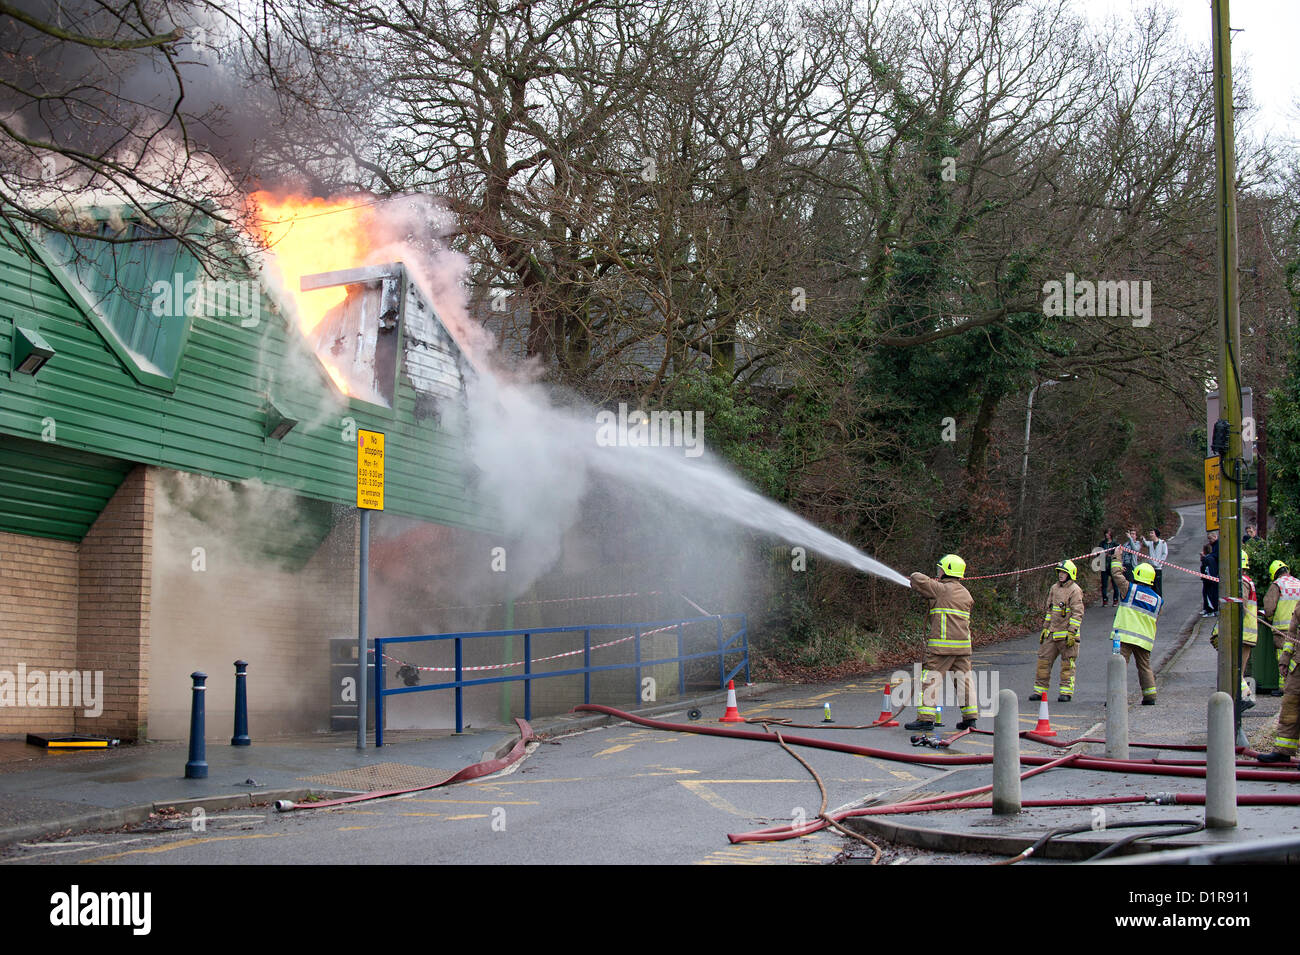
[554, 600]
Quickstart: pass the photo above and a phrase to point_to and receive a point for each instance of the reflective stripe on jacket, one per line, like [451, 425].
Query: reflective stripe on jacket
[950, 607]
[1064, 610]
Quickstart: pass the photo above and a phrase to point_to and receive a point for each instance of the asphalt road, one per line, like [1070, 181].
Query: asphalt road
[626, 794]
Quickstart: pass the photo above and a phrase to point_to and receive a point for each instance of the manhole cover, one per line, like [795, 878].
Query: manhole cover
[383, 776]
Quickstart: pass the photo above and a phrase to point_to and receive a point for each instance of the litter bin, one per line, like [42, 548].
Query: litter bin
[1263, 662]
[343, 686]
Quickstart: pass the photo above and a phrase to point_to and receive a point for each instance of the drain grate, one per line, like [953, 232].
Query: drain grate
[383, 776]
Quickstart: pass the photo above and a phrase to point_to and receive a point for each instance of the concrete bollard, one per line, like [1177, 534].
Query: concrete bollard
[1006, 754]
[1116, 707]
[241, 705]
[197, 767]
[1220, 765]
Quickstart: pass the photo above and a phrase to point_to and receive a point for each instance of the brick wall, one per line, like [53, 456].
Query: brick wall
[113, 602]
[38, 624]
[240, 604]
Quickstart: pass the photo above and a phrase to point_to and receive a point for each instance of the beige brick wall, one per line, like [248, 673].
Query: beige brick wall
[38, 624]
[241, 605]
[113, 604]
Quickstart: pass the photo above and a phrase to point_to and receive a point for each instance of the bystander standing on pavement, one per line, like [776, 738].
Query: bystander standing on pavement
[1157, 549]
[1209, 588]
[1108, 545]
[1132, 551]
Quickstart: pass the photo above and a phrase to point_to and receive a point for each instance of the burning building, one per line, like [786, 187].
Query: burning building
[179, 467]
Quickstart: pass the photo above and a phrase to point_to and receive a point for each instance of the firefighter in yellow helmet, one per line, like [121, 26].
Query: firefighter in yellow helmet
[1060, 636]
[1135, 621]
[1279, 605]
[1249, 627]
[948, 646]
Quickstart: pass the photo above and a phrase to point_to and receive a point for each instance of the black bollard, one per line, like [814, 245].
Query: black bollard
[241, 705]
[197, 767]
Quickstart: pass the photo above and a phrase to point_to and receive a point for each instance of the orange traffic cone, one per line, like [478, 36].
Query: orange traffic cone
[886, 717]
[732, 715]
[1044, 727]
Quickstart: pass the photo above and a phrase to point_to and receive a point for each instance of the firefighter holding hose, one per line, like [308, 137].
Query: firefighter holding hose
[1060, 636]
[948, 646]
[1135, 621]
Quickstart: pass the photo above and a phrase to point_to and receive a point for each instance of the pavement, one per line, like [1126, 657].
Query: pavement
[50, 792]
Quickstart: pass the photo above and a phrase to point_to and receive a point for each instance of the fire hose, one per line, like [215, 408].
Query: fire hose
[946, 801]
[475, 771]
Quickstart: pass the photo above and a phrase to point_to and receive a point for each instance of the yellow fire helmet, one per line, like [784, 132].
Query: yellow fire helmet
[1144, 573]
[952, 565]
[1069, 568]
[1276, 568]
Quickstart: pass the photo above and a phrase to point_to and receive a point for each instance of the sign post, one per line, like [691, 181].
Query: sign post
[370, 497]
[1211, 494]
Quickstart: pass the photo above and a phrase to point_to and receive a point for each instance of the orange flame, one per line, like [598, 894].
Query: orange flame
[307, 235]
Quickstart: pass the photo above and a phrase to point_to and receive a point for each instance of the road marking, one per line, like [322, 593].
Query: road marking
[77, 847]
[484, 802]
[666, 771]
[709, 796]
[352, 828]
[815, 849]
[610, 751]
[473, 815]
[182, 844]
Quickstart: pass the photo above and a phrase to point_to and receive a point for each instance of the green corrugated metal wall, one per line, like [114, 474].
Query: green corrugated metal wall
[210, 419]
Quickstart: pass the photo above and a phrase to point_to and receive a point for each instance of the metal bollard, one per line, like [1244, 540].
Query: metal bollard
[1006, 754]
[241, 705]
[197, 767]
[1220, 765]
[1116, 707]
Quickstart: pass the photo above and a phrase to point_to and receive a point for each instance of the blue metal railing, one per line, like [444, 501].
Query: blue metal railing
[723, 648]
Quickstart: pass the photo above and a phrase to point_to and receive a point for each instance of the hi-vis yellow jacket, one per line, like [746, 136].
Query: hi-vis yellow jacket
[950, 607]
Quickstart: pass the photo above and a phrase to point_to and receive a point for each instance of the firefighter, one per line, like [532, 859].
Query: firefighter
[1249, 627]
[948, 647]
[1288, 721]
[1135, 621]
[1060, 636]
[1279, 605]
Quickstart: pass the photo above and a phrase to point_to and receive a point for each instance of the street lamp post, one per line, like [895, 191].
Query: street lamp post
[1024, 473]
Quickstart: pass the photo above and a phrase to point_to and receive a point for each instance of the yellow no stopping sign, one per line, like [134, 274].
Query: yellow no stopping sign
[370, 470]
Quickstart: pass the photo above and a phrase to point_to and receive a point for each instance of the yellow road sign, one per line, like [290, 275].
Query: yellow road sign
[1212, 494]
[370, 470]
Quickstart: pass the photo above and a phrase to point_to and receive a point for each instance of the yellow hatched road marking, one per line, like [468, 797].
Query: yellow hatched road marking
[612, 750]
[182, 844]
[708, 795]
[484, 802]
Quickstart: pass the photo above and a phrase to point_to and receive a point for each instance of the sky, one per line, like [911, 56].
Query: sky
[1268, 43]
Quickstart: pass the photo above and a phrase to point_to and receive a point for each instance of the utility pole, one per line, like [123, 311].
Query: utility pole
[1226, 442]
